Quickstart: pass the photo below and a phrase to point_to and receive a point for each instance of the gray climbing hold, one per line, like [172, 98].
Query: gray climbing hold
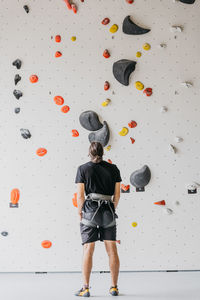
[122, 70]
[25, 133]
[187, 1]
[4, 233]
[26, 8]
[102, 135]
[17, 110]
[140, 178]
[90, 120]
[129, 27]
[17, 94]
[17, 63]
[17, 78]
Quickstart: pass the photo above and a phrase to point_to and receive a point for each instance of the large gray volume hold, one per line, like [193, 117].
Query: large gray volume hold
[90, 120]
[140, 178]
[122, 70]
[102, 135]
[129, 27]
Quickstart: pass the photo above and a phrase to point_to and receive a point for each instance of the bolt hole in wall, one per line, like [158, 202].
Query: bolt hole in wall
[124, 73]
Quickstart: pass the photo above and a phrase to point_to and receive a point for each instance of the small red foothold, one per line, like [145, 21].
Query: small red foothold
[68, 4]
[33, 78]
[57, 38]
[58, 54]
[132, 140]
[162, 202]
[74, 8]
[118, 241]
[125, 187]
[110, 161]
[58, 100]
[148, 91]
[106, 85]
[105, 21]
[130, 1]
[82, 0]
[75, 133]
[106, 53]
[132, 124]
[65, 109]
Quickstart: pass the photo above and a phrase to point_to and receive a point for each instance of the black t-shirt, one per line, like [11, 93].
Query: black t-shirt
[99, 177]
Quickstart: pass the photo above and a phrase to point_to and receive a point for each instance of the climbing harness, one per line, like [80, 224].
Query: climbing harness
[88, 218]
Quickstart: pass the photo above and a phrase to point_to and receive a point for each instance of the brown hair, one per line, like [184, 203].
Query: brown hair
[96, 152]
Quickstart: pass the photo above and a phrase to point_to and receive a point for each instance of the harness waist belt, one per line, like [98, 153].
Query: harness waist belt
[97, 197]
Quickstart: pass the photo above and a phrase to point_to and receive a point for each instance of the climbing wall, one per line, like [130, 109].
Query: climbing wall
[151, 106]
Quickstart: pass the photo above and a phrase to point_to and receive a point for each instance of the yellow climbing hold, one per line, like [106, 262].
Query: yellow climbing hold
[106, 102]
[108, 148]
[138, 54]
[146, 46]
[139, 85]
[124, 131]
[73, 38]
[134, 224]
[113, 28]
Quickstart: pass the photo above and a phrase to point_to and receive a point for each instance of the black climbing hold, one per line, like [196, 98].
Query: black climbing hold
[17, 110]
[102, 135]
[25, 133]
[17, 63]
[17, 94]
[122, 70]
[187, 1]
[26, 8]
[90, 120]
[140, 178]
[17, 78]
[129, 27]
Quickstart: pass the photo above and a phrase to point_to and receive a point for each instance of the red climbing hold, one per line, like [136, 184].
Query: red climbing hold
[130, 1]
[41, 151]
[33, 78]
[148, 91]
[65, 109]
[132, 140]
[58, 54]
[57, 38]
[106, 85]
[105, 21]
[162, 202]
[110, 161]
[68, 4]
[75, 133]
[82, 0]
[74, 8]
[106, 53]
[74, 200]
[125, 187]
[132, 124]
[58, 100]
[118, 241]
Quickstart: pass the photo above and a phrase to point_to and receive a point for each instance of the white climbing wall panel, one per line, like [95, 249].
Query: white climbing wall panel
[160, 241]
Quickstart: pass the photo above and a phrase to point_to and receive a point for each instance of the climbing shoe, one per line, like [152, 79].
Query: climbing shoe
[83, 292]
[114, 291]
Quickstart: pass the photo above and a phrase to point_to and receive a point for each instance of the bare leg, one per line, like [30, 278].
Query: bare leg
[114, 263]
[88, 250]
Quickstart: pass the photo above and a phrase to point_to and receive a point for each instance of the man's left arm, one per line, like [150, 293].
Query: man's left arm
[80, 198]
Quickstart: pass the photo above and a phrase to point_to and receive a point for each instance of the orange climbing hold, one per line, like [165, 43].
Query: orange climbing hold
[68, 4]
[57, 38]
[15, 196]
[125, 187]
[105, 21]
[162, 202]
[74, 8]
[106, 85]
[110, 161]
[75, 133]
[74, 200]
[46, 244]
[132, 140]
[65, 109]
[132, 124]
[58, 54]
[41, 151]
[33, 78]
[58, 100]
[106, 53]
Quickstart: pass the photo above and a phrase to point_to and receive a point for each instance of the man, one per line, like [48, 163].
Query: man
[100, 181]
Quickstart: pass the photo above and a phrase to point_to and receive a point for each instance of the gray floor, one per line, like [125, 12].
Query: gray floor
[134, 285]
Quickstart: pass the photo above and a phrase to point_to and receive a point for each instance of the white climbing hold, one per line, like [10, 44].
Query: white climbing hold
[162, 45]
[187, 84]
[193, 186]
[172, 148]
[175, 28]
[178, 139]
[163, 109]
